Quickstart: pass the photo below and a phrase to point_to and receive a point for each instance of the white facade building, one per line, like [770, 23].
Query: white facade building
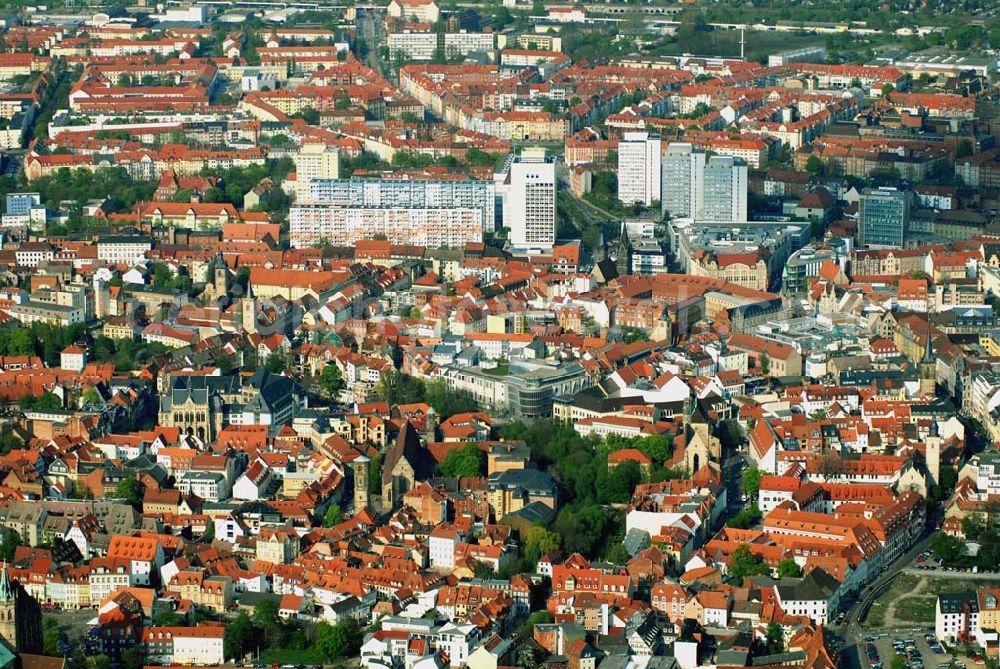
[956, 615]
[725, 190]
[123, 249]
[441, 545]
[639, 168]
[682, 191]
[314, 161]
[433, 228]
[530, 204]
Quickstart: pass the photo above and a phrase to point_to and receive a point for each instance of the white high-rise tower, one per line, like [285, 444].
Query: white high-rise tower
[529, 209]
[639, 168]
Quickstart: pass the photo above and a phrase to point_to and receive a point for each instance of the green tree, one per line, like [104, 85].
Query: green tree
[745, 563]
[8, 546]
[265, 614]
[91, 396]
[479, 158]
[539, 541]
[581, 528]
[897, 662]
[591, 237]
[334, 516]
[398, 388]
[775, 638]
[375, 475]
[182, 195]
[8, 443]
[99, 662]
[132, 658]
[309, 115]
[168, 618]
[338, 641]
[658, 447]
[466, 461]
[44, 402]
[788, 568]
[130, 490]
[502, 17]
[947, 548]
[447, 402]
[994, 36]
[209, 535]
[746, 518]
[331, 380]
[765, 363]
[730, 435]
[239, 637]
[620, 483]
[275, 363]
[751, 482]
[50, 636]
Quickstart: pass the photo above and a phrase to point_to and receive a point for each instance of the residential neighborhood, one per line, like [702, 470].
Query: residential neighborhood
[557, 336]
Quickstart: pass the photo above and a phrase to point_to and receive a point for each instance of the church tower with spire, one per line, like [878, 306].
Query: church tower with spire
[928, 366]
[20, 616]
[8, 609]
[932, 448]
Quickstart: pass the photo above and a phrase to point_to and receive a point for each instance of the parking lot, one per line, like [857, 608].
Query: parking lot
[916, 646]
[927, 563]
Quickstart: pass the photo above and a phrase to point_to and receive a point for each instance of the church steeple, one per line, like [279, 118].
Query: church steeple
[928, 346]
[928, 366]
[6, 594]
[20, 616]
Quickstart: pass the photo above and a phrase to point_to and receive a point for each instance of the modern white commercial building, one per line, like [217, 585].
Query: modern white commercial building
[725, 190]
[639, 168]
[115, 249]
[529, 207]
[413, 45]
[883, 217]
[464, 43]
[682, 189]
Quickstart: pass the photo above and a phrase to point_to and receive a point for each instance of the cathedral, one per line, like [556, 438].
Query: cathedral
[20, 616]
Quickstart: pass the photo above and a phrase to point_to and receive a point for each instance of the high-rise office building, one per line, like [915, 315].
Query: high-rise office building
[883, 217]
[682, 189]
[725, 190]
[529, 207]
[639, 168]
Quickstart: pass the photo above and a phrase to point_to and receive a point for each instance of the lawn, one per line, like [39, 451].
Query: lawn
[916, 609]
[902, 585]
[912, 598]
[936, 586]
[292, 656]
